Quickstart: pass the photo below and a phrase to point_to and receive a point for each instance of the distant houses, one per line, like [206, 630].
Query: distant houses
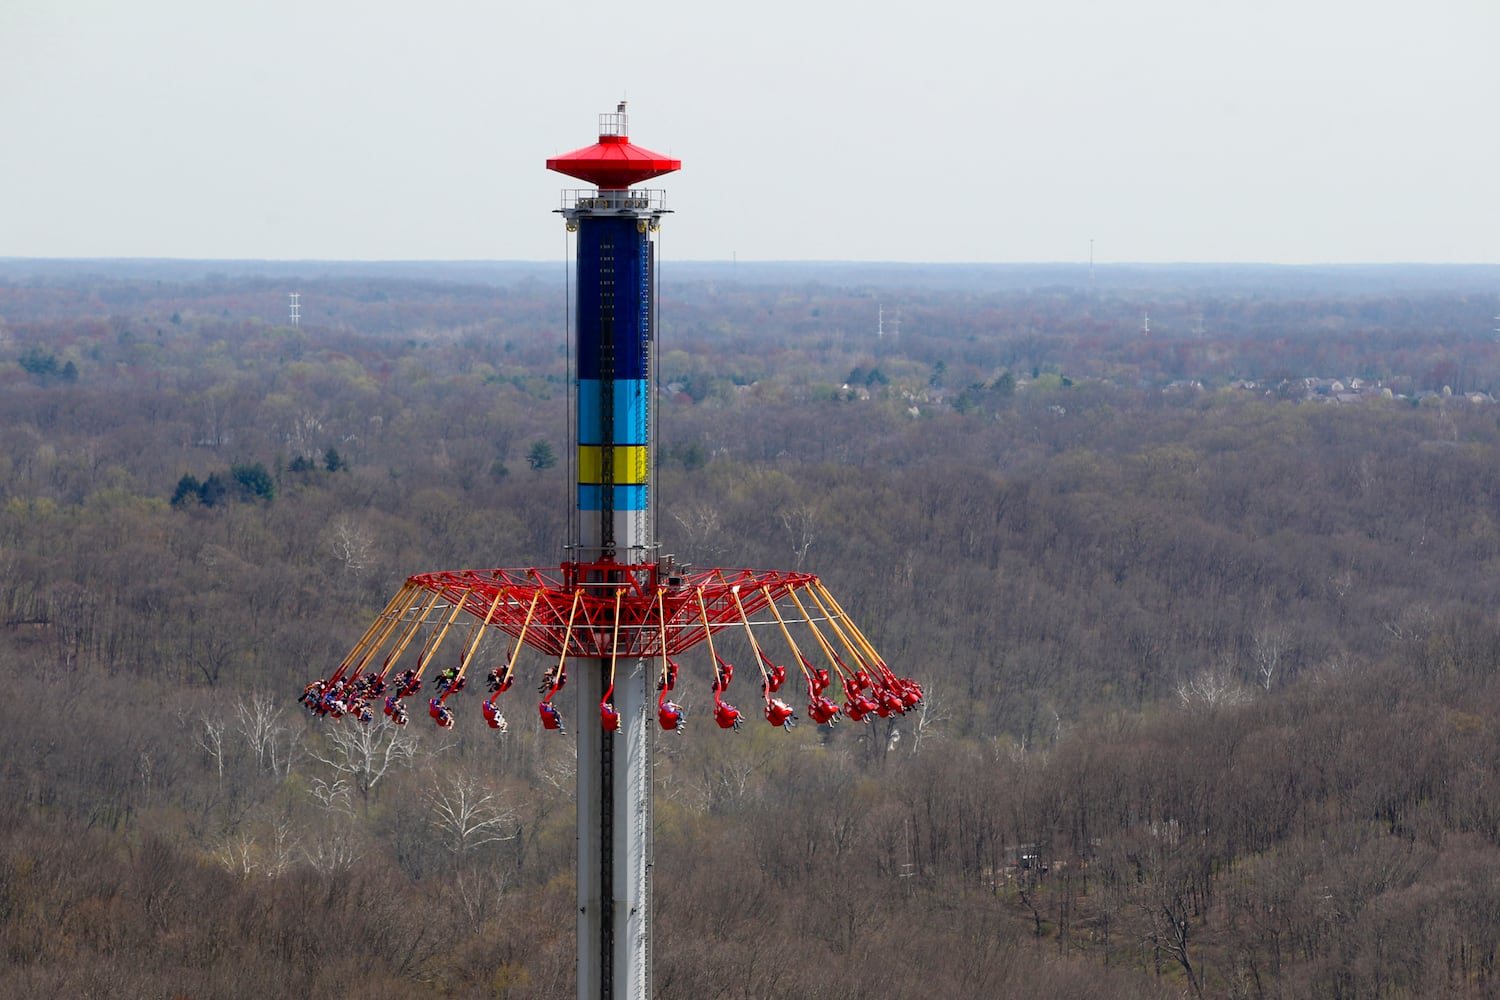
[1351, 391]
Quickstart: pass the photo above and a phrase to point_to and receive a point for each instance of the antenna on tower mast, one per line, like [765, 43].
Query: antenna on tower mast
[895, 322]
[296, 309]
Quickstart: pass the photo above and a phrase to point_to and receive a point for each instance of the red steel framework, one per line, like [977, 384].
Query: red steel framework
[645, 612]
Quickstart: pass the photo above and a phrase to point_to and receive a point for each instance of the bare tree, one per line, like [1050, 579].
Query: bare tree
[332, 794]
[927, 721]
[284, 843]
[362, 755]
[210, 736]
[1411, 624]
[333, 851]
[468, 815]
[237, 855]
[218, 403]
[352, 545]
[1161, 868]
[258, 720]
[801, 523]
[1211, 689]
[703, 529]
[241, 854]
[1171, 929]
[1269, 643]
[559, 769]
[724, 778]
[479, 887]
[73, 610]
[210, 647]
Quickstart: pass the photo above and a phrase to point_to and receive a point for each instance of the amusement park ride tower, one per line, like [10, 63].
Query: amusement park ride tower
[613, 537]
[615, 612]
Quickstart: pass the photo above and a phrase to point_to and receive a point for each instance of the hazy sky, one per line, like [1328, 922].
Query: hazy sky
[1292, 131]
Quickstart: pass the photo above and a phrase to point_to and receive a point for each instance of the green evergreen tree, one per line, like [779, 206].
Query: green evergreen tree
[35, 361]
[212, 491]
[188, 489]
[255, 483]
[541, 456]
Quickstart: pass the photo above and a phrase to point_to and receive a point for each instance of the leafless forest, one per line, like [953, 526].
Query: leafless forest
[1207, 617]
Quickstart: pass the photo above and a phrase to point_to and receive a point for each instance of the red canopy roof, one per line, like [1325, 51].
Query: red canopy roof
[613, 163]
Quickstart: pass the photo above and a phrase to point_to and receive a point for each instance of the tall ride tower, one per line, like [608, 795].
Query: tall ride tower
[614, 611]
[612, 535]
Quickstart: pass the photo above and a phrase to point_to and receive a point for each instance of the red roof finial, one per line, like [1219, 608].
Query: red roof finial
[613, 163]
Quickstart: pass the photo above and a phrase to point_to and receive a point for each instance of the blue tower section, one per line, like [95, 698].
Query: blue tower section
[614, 368]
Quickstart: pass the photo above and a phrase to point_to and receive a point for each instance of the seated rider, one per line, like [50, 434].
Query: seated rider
[725, 675]
[779, 713]
[669, 679]
[553, 680]
[727, 716]
[823, 710]
[670, 715]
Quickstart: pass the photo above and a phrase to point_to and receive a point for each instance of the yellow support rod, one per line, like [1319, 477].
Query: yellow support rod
[614, 642]
[411, 631]
[392, 624]
[754, 646]
[833, 622]
[869, 647]
[479, 627]
[828, 650]
[567, 633]
[802, 664]
[368, 643]
[438, 635]
[708, 634]
[661, 611]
